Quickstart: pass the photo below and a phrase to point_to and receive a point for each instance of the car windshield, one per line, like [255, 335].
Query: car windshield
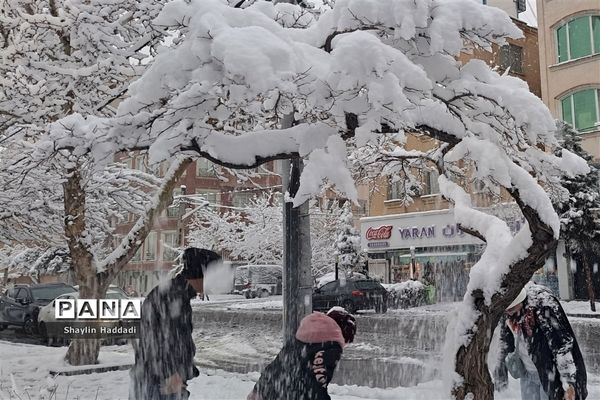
[115, 295]
[50, 292]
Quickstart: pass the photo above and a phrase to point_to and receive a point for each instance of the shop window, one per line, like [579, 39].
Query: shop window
[578, 38]
[511, 56]
[580, 110]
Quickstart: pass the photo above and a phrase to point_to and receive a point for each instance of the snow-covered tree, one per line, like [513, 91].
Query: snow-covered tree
[244, 86]
[579, 210]
[59, 58]
[348, 250]
[253, 233]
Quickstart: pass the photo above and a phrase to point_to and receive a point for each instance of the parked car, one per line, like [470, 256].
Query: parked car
[352, 294]
[258, 280]
[20, 305]
[47, 313]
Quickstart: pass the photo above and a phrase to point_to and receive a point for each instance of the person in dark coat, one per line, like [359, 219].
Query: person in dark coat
[538, 347]
[164, 357]
[304, 367]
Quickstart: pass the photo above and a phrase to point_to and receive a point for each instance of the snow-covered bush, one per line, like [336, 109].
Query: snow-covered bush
[406, 294]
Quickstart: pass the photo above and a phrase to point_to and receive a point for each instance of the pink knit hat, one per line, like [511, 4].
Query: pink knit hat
[318, 328]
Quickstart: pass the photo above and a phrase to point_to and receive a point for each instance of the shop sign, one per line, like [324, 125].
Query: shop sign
[381, 233]
[417, 232]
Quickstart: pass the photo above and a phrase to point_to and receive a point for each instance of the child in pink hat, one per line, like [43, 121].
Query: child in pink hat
[303, 368]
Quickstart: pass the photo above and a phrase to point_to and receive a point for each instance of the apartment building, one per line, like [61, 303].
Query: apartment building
[569, 37]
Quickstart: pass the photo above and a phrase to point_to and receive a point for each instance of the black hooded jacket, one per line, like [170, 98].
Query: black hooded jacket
[551, 344]
[300, 372]
[166, 346]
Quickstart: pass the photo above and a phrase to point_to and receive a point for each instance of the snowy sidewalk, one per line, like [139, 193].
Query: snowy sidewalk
[24, 375]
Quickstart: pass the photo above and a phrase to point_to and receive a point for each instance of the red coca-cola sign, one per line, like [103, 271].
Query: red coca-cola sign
[381, 233]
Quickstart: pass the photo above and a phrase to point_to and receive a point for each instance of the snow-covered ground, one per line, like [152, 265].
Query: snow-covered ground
[24, 375]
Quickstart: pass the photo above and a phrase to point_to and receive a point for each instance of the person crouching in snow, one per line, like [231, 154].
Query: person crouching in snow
[303, 368]
[164, 357]
[538, 347]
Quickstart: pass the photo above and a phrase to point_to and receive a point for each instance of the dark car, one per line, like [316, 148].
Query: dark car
[21, 304]
[352, 294]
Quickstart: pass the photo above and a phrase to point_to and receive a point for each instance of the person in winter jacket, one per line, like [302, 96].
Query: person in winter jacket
[304, 367]
[538, 347]
[164, 357]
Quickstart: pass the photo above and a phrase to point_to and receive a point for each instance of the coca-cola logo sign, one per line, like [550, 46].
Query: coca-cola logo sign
[381, 233]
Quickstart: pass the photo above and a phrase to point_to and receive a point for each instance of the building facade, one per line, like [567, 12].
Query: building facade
[569, 36]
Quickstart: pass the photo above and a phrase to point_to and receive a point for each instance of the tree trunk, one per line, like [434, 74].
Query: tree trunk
[86, 351]
[589, 281]
[471, 359]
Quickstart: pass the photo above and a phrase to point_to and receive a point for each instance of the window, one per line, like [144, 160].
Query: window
[431, 183]
[137, 256]
[329, 287]
[169, 241]
[22, 294]
[394, 190]
[242, 199]
[140, 163]
[511, 56]
[128, 162]
[581, 109]
[578, 38]
[173, 210]
[205, 168]
[210, 195]
[150, 247]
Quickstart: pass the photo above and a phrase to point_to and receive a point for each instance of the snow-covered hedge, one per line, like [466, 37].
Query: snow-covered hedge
[406, 294]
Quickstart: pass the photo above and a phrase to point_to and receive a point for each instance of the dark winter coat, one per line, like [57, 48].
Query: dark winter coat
[299, 372]
[551, 344]
[165, 346]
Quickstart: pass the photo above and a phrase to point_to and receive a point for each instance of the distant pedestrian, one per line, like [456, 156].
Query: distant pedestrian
[538, 347]
[164, 357]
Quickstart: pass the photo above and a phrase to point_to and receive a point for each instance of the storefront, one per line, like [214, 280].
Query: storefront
[429, 246]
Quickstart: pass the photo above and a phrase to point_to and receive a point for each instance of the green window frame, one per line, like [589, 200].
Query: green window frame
[579, 37]
[582, 109]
